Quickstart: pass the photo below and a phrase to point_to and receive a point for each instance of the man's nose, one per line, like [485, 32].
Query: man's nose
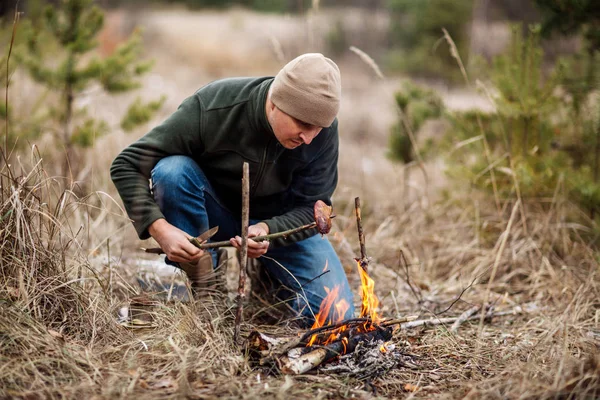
[308, 136]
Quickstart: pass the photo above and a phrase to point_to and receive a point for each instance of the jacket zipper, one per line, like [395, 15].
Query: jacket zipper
[261, 169]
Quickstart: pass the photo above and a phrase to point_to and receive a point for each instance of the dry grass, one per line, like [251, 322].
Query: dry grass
[60, 335]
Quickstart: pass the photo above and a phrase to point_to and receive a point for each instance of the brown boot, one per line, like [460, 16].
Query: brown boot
[200, 274]
[204, 279]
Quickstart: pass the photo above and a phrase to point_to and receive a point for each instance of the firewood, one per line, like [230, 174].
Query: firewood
[313, 359]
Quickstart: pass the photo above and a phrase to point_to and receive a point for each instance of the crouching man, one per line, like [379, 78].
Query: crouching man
[285, 127]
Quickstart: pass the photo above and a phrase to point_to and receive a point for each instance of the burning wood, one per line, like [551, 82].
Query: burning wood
[311, 359]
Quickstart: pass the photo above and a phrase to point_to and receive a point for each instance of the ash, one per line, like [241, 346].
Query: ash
[369, 360]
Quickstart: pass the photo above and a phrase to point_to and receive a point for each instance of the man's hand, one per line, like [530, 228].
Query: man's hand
[174, 242]
[255, 249]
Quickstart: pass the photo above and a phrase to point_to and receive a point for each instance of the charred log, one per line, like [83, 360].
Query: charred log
[324, 354]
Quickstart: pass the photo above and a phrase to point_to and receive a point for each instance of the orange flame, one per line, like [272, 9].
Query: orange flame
[324, 308]
[370, 302]
[368, 309]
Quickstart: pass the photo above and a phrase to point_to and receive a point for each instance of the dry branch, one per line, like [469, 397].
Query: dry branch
[443, 321]
[313, 359]
[364, 262]
[244, 250]
[463, 317]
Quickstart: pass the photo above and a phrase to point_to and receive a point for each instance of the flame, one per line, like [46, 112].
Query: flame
[383, 349]
[325, 306]
[339, 312]
[370, 302]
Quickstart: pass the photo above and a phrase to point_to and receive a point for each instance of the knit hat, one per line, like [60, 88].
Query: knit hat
[309, 89]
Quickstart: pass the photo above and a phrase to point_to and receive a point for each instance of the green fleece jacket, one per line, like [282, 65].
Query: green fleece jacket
[221, 126]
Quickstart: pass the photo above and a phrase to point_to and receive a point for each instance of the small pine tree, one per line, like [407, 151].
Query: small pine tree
[525, 97]
[418, 105]
[416, 30]
[74, 26]
[581, 79]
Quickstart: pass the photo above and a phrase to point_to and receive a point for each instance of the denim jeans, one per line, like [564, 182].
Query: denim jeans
[188, 202]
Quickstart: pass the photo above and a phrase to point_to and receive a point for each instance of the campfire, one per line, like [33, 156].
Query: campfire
[330, 337]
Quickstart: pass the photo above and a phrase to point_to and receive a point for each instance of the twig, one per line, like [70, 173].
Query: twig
[244, 250]
[412, 289]
[364, 262]
[463, 317]
[459, 297]
[397, 321]
[443, 321]
[315, 278]
[351, 321]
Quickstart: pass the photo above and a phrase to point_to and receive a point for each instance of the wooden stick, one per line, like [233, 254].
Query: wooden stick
[308, 361]
[322, 221]
[349, 322]
[270, 236]
[244, 250]
[463, 317]
[442, 321]
[227, 243]
[364, 262]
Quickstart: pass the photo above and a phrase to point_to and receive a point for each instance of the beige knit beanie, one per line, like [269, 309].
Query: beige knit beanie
[309, 89]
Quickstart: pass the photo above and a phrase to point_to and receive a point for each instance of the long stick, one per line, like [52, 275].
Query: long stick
[244, 251]
[364, 263]
[227, 243]
[277, 235]
[442, 321]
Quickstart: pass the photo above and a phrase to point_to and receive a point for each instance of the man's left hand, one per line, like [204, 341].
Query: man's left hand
[255, 249]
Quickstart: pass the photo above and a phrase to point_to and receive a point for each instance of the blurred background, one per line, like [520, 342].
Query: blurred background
[437, 94]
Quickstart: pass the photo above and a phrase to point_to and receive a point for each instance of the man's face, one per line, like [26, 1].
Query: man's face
[289, 131]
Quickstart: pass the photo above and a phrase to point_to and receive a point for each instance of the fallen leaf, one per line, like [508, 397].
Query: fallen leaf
[409, 387]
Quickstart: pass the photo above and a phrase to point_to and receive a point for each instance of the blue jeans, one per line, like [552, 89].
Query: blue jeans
[188, 202]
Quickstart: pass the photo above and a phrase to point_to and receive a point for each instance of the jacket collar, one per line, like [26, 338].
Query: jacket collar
[258, 104]
[259, 121]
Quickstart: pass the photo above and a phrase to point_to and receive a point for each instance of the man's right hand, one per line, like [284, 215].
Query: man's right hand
[174, 242]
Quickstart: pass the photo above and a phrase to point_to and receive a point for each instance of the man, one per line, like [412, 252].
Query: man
[286, 129]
